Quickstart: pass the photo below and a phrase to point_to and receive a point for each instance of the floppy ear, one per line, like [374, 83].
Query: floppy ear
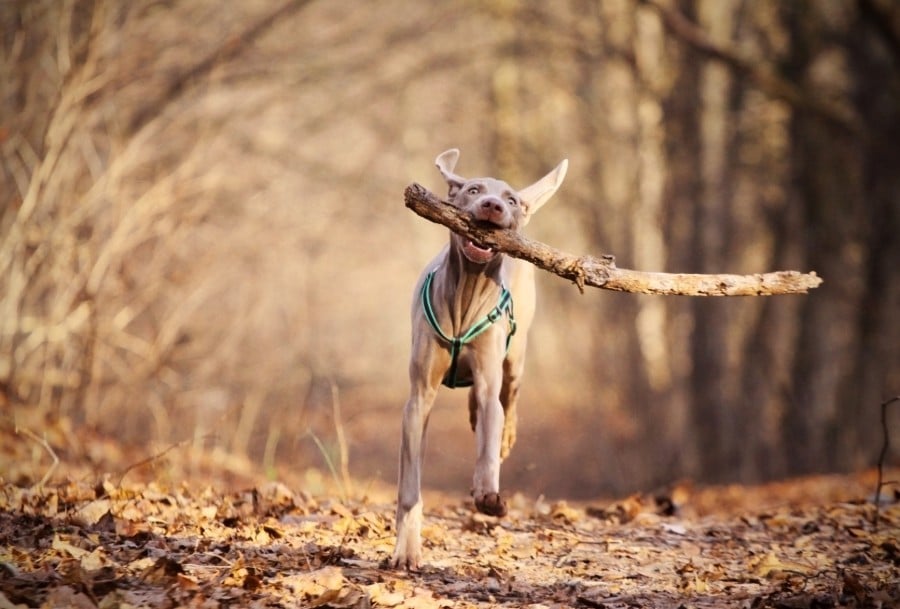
[534, 196]
[446, 162]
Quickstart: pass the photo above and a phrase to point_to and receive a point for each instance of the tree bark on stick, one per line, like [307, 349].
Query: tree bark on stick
[601, 271]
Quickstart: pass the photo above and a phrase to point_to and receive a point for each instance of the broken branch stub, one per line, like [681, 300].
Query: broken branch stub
[602, 272]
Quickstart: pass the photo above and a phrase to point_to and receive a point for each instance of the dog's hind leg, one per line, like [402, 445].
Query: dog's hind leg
[509, 397]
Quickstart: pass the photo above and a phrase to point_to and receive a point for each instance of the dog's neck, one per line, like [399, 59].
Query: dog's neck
[470, 289]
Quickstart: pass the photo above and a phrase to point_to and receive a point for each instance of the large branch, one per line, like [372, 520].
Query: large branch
[601, 272]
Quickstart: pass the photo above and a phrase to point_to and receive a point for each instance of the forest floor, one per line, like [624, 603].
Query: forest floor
[79, 539]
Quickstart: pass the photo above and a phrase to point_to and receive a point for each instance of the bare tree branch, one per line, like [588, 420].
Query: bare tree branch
[231, 47]
[601, 272]
[765, 76]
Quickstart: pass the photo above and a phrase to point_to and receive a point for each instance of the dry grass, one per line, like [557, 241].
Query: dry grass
[189, 249]
[204, 239]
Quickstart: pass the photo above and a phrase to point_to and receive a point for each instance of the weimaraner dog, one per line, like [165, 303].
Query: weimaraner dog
[465, 333]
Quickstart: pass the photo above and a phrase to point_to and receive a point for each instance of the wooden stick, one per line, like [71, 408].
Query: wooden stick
[601, 272]
[885, 446]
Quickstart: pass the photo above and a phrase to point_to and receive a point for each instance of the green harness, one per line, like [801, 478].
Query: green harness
[504, 307]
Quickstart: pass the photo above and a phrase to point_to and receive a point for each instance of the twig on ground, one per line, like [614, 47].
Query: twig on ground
[152, 458]
[601, 272]
[885, 445]
[43, 442]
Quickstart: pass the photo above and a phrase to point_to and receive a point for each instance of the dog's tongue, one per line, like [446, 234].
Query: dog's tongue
[476, 253]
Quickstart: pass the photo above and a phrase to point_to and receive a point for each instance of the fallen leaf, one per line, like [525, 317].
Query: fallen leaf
[187, 582]
[381, 596]
[65, 596]
[130, 528]
[772, 567]
[94, 560]
[319, 586]
[562, 511]
[421, 599]
[91, 513]
[64, 546]
[162, 569]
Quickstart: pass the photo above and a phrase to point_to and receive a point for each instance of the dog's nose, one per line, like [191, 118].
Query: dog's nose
[492, 204]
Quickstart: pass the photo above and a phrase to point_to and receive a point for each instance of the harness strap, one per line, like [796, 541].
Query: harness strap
[504, 307]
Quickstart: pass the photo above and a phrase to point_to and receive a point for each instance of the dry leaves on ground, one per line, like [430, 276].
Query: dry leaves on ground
[108, 546]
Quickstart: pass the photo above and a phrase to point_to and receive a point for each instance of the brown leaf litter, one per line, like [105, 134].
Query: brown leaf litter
[798, 544]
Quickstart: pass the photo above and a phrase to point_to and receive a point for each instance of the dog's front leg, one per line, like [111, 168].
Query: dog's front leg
[426, 367]
[408, 551]
[488, 436]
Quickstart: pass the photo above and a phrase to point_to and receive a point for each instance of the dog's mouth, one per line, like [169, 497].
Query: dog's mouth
[477, 253]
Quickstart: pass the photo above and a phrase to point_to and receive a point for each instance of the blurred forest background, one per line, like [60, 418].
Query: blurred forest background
[203, 238]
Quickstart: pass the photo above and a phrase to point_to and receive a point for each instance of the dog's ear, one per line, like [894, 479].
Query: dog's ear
[446, 163]
[534, 196]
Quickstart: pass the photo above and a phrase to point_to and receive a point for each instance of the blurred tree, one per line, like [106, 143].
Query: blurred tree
[201, 228]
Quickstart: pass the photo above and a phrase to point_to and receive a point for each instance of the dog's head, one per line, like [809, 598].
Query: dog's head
[495, 201]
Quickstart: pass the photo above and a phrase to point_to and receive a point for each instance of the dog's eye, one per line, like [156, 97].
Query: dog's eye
[474, 190]
[513, 201]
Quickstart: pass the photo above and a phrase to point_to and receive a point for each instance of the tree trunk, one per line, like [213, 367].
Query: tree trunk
[874, 54]
[826, 170]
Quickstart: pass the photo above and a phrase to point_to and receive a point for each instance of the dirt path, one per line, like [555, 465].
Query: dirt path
[801, 544]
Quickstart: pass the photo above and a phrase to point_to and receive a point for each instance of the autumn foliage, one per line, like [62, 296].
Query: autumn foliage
[202, 236]
[206, 269]
[116, 530]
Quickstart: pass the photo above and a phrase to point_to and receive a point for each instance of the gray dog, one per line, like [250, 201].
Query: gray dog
[466, 333]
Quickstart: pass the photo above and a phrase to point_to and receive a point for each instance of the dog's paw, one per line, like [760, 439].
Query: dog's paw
[408, 551]
[491, 504]
[407, 554]
[402, 560]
